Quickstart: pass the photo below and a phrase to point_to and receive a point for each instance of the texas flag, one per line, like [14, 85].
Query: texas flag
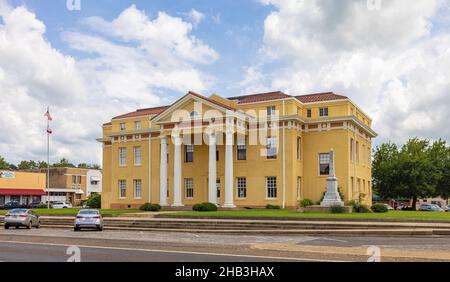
[49, 118]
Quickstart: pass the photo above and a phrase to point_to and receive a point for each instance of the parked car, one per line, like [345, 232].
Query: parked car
[22, 217]
[61, 205]
[430, 207]
[13, 205]
[88, 219]
[404, 208]
[34, 205]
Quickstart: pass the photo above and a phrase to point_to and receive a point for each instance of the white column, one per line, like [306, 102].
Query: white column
[177, 173]
[212, 189]
[163, 173]
[229, 200]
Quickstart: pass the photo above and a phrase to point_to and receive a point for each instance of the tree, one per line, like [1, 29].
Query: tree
[383, 168]
[27, 165]
[94, 201]
[42, 164]
[4, 164]
[440, 154]
[63, 163]
[414, 171]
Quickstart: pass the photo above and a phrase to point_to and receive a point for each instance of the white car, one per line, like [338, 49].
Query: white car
[61, 205]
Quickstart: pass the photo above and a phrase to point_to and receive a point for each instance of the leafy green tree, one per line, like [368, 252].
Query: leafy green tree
[4, 164]
[42, 164]
[83, 165]
[383, 170]
[440, 154]
[27, 165]
[63, 163]
[94, 201]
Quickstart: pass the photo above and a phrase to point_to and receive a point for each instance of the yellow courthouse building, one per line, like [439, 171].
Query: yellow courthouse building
[247, 151]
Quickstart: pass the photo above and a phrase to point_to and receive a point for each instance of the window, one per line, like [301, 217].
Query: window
[122, 189]
[123, 126]
[122, 156]
[271, 187]
[217, 153]
[357, 152]
[323, 112]
[299, 183]
[189, 156]
[299, 148]
[324, 164]
[74, 179]
[271, 111]
[363, 153]
[308, 113]
[194, 114]
[218, 187]
[79, 179]
[189, 187]
[241, 187]
[241, 150]
[137, 184]
[137, 125]
[271, 147]
[352, 145]
[137, 155]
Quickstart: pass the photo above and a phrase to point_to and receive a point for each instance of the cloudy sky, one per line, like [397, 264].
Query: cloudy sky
[392, 57]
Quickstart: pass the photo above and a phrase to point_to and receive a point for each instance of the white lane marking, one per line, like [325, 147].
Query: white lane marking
[169, 251]
[336, 240]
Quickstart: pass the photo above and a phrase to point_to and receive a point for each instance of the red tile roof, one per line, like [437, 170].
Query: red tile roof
[320, 97]
[260, 97]
[143, 112]
[212, 101]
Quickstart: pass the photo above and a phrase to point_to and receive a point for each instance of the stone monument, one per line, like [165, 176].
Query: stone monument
[332, 197]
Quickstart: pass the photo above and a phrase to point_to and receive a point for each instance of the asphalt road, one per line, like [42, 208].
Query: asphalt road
[57, 245]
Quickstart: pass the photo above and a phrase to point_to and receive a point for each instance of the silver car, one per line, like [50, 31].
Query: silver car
[88, 219]
[22, 217]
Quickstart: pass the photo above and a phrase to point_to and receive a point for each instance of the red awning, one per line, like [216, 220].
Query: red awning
[23, 192]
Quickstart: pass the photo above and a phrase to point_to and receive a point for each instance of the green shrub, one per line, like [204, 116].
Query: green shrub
[305, 203]
[150, 207]
[204, 207]
[358, 207]
[41, 206]
[94, 201]
[379, 208]
[272, 207]
[337, 209]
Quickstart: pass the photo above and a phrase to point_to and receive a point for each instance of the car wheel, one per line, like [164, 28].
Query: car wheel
[6, 226]
[38, 225]
[30, 225]
[76, 228]
[17, 227]
[100, 228]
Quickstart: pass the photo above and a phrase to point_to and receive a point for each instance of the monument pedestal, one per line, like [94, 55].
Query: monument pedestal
[332, 197]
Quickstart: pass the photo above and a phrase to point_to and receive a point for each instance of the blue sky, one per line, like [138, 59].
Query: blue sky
[112, 57]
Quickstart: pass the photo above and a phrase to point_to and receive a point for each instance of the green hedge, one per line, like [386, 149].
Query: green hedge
[305, 203]
[204, 207]
[42, 206]
[272, 207]
[337, 209]
[379, 208]
[150, 207]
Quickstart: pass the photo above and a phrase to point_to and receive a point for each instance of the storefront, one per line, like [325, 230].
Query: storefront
[22, 187]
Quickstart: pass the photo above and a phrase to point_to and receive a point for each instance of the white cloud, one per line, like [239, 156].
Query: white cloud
[129, 62]
[196, 17]
[391, 61]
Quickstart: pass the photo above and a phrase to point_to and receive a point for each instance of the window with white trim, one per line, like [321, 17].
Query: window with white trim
[137, 155]
[189, 154]
[357, 152]
[122, 156]
[189, 188]
[308, 113]
[324, 164]
[271, 110]
[299, 148]
[271, 187]
[137, 125]
[122, 189]
[218, 187]
[241, 148]
[271, 145]
[241, 187]
[137, 183]
[323, 112]
[123, 126]
[352, 146]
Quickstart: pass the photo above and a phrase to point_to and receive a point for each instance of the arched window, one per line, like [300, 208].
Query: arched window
[194, 114]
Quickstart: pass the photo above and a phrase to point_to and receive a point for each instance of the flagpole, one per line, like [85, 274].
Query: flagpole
[48, 160]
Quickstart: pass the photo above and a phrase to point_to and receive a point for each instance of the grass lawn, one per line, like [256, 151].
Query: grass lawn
[289, 213]
[74, 211]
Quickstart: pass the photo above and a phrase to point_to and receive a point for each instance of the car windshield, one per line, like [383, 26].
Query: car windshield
[18, 211]
[88, 212]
